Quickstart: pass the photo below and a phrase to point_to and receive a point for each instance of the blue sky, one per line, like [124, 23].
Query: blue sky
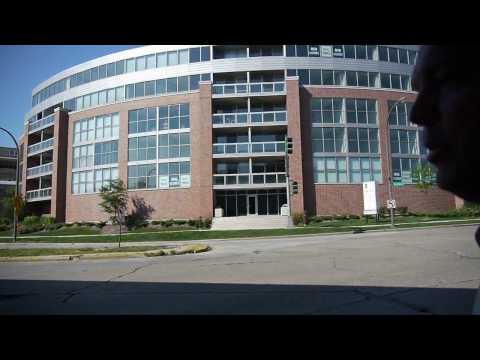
[24, 67]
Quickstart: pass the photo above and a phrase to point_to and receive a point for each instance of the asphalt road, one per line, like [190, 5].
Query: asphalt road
[427, 271]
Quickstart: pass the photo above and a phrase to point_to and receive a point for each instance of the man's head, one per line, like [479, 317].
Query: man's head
[448, 107]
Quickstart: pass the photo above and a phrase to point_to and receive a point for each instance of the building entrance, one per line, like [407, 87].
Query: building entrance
[250, 202]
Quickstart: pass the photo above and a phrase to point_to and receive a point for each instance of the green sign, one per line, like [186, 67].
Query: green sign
[397, 182]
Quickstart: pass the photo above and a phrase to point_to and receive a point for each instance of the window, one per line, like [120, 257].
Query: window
[102, 71]
[290, 50]
[404, 142]
[412, 57]
[139, 89]
[403, 56]
[150, 88]
[171, 85]
[330, 169]
[174, 174]
[361, 111]
[327, 77]
[173, 145]
[302, 51]
[194, 55]
[102, 97]
[362, 140]
[361, 52]
[362, 78]
[303, 76]
[364, 169]
[120, 67]
[82, 182]
[106, 152]
[142, 148]
[130, 65]
[110, 95]
[110, 69]
[206, 53]
[183, 56]
[328, 139]
[383, 53]
[351, 78]
[151, 61]
[393, 54]
[385, 81]
[104, 177]
[316, 77]
[172, 58]
[194, 79]
[130, 91]
[140, 63]
[161, 86]
[142, 120]
[84, 130]
[120, 93]
[142, 176]
[83, 156]
[183, 83]
[350, 51]
[161, 59]
[327, 110]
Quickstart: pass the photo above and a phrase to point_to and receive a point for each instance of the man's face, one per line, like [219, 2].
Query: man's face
[448, 106]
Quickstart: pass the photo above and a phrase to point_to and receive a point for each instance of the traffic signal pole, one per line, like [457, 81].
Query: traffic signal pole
[288, 149]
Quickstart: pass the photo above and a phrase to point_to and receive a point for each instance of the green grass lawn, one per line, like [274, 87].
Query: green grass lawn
[382, 221]
[219, 234]
[43, 252]
[83, 230]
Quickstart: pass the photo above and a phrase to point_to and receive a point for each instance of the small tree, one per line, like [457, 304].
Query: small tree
[115, 202]
[422, 176]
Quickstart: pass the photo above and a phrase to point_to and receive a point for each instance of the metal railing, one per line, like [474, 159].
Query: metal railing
[41, 122]
[40, 146]
[248, 88]
[39, 194]
[246, 148]
[40, 170]
[250, 118]
[248, 179]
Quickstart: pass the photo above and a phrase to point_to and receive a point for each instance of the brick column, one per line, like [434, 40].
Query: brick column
[59, 175]
[295, 132]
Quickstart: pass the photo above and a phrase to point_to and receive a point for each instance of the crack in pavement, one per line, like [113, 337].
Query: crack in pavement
[72, 293]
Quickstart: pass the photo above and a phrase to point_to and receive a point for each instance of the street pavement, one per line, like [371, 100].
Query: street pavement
[417, 271]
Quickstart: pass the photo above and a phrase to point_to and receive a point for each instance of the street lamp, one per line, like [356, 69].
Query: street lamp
[16, 184]
[389, 157]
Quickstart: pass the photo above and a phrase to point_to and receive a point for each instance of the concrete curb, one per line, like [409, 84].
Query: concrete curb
[179, 250]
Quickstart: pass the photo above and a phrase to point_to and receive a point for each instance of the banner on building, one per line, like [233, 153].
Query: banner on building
[326, 51]
[369, 198]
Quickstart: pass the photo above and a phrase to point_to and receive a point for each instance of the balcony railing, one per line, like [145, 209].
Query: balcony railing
[40, 146]
[40, 170]
[246, 148]
[41, 123]
[248, 88]
[250, 179]
[39, 194]
[250, 118]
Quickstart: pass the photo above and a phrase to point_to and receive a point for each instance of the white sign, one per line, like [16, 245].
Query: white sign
[326, 51]
[185, 180]
[313, 50]
[163, 181]
[391, 204]
[369, 198]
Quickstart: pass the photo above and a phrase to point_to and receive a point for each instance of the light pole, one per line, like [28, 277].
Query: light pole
[389, 157]
[16, 184]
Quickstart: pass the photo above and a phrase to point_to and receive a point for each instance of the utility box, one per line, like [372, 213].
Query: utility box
[218, 212]
[284, 210]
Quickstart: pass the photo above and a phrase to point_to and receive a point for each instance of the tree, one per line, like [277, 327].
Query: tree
[7, 203]
[115, 203]
[423, 177]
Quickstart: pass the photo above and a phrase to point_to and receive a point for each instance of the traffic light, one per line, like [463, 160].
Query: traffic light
[289, 145]
[294, 187]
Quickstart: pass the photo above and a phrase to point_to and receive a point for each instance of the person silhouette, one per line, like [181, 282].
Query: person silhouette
[448, 108]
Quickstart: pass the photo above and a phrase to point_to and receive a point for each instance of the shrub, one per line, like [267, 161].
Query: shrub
[354, 217]
[315, 219]
[208, 223]
[199, 223]
[191, 222]
[402, 210]
[383, 211]
[4, 227]
[31, 220]
[340, 217]
[51, 227]
[27, 229]
[46, 220]
[68, 225]
[180, 222]
[156, 222]
[4, 221]
[167, 223]
[101, 224]
[297, 219]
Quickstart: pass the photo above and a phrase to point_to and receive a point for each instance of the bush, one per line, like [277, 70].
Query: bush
[52, 227]
[45, 220]
[191, 222]
[31, 220]
[4, 221]
[4, 227]
[180, 222]
[354, 217]
[315, 219]
[297, 219]
[27, 229]
[340, 217]
[208, 223]
[156, 222]
[199, 223]
[101, 224]
[383, 211]
[68, 225]
[402, 210]
[167, 223]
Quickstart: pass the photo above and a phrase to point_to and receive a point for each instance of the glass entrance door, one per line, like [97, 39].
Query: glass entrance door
[252, 204]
